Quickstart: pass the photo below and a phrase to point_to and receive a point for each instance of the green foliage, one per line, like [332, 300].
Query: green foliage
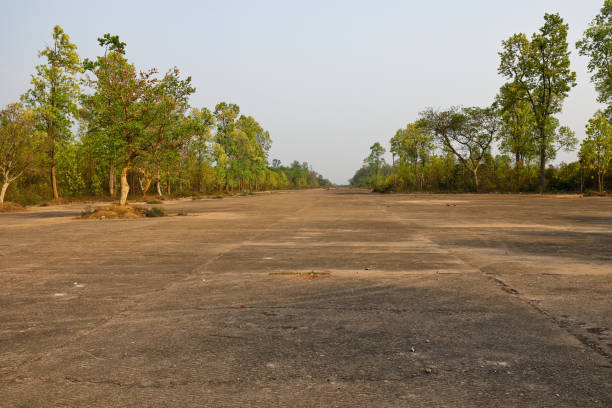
[69, 173]
[596, 150]
[539, 72]
[596, 44]
[20, 143]
[54, 93]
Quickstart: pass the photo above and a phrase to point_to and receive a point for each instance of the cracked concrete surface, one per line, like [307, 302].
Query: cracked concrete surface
[423, 300]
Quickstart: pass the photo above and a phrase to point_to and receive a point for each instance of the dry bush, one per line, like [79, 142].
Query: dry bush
[116, 211]
[11, 207]
[113, 212]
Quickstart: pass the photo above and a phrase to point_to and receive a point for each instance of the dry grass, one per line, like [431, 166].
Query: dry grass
[113, 212]
[302, 275]
[11, 207]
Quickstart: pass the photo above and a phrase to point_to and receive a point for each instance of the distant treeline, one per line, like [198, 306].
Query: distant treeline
[452, 149]
[96, 128]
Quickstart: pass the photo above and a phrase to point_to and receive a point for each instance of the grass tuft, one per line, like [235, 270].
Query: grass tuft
[11, 207]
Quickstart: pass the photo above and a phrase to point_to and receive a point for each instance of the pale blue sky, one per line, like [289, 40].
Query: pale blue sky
[326, 78]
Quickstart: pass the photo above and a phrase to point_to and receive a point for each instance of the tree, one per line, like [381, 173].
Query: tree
[596, 149]
[413, 146]
[375, 160]
[540, 69]
[54, 94]
[19, 143]
[226, 115]
[596, 43]
[466, 132]
[517, 130]
[132, 110]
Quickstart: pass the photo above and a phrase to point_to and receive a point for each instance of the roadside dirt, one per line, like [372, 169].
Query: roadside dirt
[313, 298]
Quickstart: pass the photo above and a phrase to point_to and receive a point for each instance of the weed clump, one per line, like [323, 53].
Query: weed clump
[11, 207]
[112, 212]
[155, 202]
[154, 212]
[116, 211]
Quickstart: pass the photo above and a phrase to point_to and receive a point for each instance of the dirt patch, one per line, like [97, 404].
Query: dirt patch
[301, 275]
[114, 212]
[440, 202]
[220, 215]
[11, 207]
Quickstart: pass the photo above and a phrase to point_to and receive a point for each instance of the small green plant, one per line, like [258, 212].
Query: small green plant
[218, 197]
[154, 212]
[181, 213]
[196, 197]
[155, 202]
[245, 192]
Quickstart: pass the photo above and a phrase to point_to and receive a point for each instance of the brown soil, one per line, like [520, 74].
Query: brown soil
[498, 300]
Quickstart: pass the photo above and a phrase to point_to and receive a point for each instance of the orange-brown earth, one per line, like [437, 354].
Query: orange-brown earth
[312, 298]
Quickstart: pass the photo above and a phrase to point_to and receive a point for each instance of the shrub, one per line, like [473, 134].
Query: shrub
[154, 212]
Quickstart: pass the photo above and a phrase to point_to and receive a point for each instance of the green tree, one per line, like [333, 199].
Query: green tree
[226, 115]
[54, 93]
[375, 161]
[19, 143]
[466, 132]
[596, 149]
[540, 68]
[596, 44]
[413, 146]
[131, 109]
[517, 131]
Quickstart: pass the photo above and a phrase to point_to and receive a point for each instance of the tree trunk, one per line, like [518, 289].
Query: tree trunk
[475, 174]
[111, 181]
[542, 168]
[53, 177]
[600, 181]
[125, 187]
[168, 182]
[517, 169]
[159, 193]
[3, 191]
[146, 186]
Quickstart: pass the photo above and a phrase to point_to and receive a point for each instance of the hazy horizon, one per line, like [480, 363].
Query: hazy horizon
[327, 79]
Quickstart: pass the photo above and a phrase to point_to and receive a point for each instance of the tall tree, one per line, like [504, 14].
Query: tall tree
[132, 109]
[375, 161]
[226, 115]
[54, 93]
[517, 131]
[19, 143]
[596, 43]
[596, 149]
[540, 68]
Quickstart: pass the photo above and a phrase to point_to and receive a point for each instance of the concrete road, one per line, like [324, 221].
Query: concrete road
[333, 298]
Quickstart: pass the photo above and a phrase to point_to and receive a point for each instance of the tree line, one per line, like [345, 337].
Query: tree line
[101, 127]
[509, 145]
